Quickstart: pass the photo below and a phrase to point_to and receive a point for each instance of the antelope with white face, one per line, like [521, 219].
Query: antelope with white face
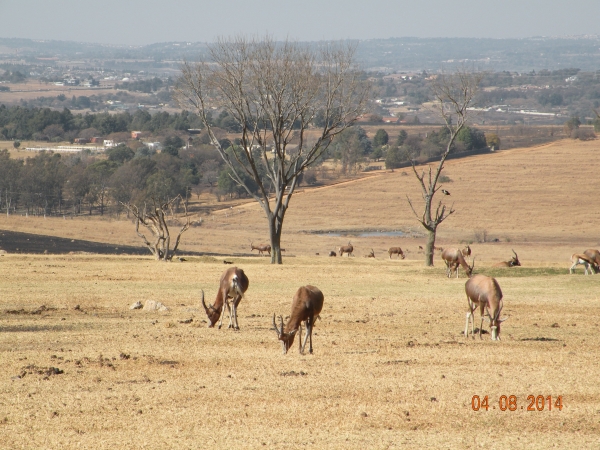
[583, 259]
[306, 306]
[261, 248]
[513, 262]
[466, 252]
[233, 284]
[484, 292]
[396, 251]
[454, 258]
[348, 249]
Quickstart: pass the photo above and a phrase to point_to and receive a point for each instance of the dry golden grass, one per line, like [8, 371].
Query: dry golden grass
[391, 368]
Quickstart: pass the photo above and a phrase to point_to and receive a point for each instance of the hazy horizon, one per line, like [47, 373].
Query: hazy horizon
[147, 22]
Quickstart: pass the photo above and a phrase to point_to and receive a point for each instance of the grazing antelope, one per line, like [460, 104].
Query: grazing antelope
[584, 260]
[396, 251]
[594, 255]
[514, 261]
[454, 258]
[445, 192]
[346, 249]
[332, 253]
[484, 292]
[441, 249]
[306, 306]
[233, 284]
[261, 248]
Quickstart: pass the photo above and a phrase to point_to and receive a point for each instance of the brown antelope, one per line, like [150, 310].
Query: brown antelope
[306, 307]
[514, 261]
[454, 258]
[584, 260]
[261, 248]
[484, 292]
[371, 255]
[233, 284]
[346, 249]
[466, 252]
[396, 251]
[594, 255]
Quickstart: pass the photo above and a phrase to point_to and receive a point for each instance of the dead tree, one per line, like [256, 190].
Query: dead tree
[453, 95]
[154, 218]
[275, 92]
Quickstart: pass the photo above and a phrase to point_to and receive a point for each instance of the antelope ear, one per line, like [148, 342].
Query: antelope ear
[292, 333]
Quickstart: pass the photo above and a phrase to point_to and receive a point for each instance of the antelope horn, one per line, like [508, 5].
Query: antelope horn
[204, 304]
[281, 319]
[275, 326]
[515, 253]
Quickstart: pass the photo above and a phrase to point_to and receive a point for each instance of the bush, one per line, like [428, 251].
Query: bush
[583, 134]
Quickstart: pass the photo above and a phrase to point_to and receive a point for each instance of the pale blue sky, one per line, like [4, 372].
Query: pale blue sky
[137, 22]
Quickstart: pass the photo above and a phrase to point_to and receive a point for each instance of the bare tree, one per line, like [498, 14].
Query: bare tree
[453, 94]
[155, 221]
[288, 100]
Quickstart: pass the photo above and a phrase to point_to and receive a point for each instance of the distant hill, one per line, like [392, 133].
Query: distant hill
[395, 54]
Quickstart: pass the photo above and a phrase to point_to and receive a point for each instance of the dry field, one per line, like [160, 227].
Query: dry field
[391, 368]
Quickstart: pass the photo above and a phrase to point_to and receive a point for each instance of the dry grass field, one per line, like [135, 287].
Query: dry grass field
[391, 368]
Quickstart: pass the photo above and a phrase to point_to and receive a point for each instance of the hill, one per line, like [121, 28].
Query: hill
[533, 199]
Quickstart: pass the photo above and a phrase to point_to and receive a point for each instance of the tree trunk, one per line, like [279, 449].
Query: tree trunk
[275, 235]
[429, 248]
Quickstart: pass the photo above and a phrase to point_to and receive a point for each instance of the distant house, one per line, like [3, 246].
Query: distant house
[108, 143]
[91, 83]
[136, 134]
[81, 141]
[154, 145]
[390, 119]
[97, 140]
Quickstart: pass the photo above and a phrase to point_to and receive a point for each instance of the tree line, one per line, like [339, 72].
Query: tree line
[50, 183]
[45, 124]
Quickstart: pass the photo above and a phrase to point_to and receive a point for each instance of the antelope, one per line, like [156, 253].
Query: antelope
[594, 255]
[371, 255]
[306, 306]
[466, 251]
[485, 292]
[261, 248]
[346, 249]
[332, 253]
[396, 251]
[233, 284]
[514, 261]
[585, 260]
[453, 258]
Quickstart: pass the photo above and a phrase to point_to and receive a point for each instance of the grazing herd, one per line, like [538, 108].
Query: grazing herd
[483, 293]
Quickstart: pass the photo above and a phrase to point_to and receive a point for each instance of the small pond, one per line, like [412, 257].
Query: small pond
[360, 233]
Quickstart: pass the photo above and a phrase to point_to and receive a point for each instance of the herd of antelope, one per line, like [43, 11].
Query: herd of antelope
[482, 292]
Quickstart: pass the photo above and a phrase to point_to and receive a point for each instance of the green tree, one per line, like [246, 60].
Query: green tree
[120, 154]
[16, 144]
[571, 125]
[172, 145]
[401, 138]
[394, 157]
[381, 138]
[493, 141]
